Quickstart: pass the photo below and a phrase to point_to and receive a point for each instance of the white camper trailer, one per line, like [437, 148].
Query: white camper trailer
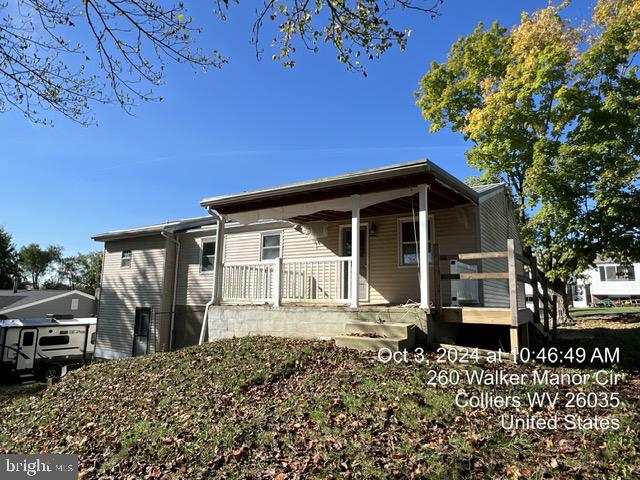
[44, 346]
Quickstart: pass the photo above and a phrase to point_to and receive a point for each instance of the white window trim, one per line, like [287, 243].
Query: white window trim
[130, 259]
[271, 233]
[616, 265]
[201, 241]
[402, 220]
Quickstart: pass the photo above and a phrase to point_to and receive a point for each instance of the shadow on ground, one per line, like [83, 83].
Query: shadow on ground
[599, 332]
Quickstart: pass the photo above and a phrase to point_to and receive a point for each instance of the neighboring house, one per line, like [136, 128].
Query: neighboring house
[607, 281]
[24, 304]
[283, 259]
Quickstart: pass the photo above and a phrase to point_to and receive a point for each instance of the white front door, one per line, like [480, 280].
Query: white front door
[27, 349]
[345, 251]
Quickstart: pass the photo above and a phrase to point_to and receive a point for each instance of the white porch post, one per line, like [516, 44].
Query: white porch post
[218, 265]
[277, 282]
[423, 193]
[355, 251]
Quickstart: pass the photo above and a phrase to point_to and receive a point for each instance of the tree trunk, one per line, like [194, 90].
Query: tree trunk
[559, 287]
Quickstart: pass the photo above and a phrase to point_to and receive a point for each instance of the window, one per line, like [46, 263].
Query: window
[54, 340]
[27, 339]
[617, 273]
[270, 246]
[74, 303]
[410, 239]
[125, 260]
[93, 338]
[208, 255]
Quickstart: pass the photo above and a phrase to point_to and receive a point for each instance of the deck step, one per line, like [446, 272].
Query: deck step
[384, 330]
[391, 315]
[368, 344]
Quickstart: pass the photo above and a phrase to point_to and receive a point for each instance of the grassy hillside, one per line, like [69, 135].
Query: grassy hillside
[274, 408]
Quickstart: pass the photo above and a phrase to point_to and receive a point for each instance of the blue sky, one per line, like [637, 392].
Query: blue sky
[250, 125]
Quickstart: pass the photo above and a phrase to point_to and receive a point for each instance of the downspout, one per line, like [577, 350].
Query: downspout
[205, 318]
[175, 240]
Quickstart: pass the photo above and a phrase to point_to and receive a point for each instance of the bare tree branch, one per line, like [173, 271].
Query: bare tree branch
[133, 41]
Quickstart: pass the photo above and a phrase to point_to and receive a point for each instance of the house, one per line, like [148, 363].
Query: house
[25, 304]
[606, 281]
[435, 258]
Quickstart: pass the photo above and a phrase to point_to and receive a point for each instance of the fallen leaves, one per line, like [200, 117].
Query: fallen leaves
[288, 409]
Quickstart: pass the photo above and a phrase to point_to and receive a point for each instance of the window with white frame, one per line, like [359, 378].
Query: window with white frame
[207, 255]
[270, 246]
[617, 273]
[409, 237]
[125, 259]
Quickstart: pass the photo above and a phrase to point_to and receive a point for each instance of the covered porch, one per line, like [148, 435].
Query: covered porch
[393, 246]
[381, 224]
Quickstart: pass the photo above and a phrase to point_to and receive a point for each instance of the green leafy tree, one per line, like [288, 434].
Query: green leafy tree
[90, 271]
[69, 272]
[35, 261]
[130, 42]
[8, 259]
[553, 111]
[80, 272]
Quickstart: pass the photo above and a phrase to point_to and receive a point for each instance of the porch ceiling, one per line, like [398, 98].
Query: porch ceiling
[391, 207]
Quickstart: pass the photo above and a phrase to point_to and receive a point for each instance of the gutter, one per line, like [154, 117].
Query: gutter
[175, 240]
[216, 275]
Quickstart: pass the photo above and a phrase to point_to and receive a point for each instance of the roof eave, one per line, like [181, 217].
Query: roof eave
[420, 166]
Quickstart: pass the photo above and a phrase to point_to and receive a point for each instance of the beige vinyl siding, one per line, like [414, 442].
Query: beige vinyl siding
[497, 224]
[298, 245]
[194, 287]
[243, 247]
[389, 283]
[456, 231]
[124, 289]
[163, 317]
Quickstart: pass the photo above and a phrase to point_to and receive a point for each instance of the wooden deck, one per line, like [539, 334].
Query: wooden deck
[483, 315]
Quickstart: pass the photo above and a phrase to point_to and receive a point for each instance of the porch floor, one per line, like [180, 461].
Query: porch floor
[482, 315]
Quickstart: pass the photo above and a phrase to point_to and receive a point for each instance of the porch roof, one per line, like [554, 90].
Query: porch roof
[445, 191]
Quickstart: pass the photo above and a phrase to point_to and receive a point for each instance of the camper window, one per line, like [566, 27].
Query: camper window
[27, 339]
[54, 340]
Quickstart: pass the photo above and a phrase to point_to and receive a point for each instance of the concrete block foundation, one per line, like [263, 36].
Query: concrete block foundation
[228, 321]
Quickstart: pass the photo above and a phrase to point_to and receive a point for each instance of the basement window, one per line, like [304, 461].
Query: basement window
[125, 259]
[270, 246]
[208, 255]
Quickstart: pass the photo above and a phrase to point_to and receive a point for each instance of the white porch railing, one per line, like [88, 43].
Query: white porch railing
[248, 282]
[316, 280]
[320, 280]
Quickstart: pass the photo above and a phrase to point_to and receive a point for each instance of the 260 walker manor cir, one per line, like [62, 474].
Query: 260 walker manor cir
[436, 261]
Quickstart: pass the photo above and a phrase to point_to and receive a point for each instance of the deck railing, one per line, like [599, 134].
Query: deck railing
[531, 275]
[320, 280]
